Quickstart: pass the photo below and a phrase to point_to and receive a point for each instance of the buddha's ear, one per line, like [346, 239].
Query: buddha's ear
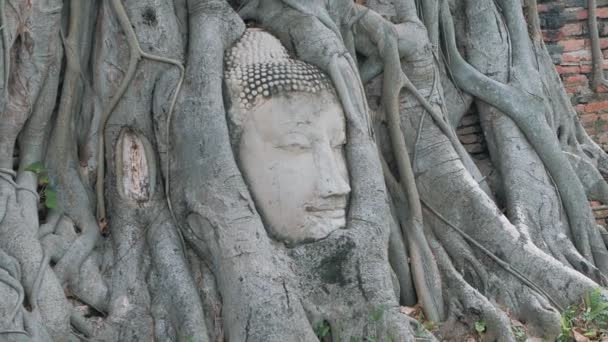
[234, 115]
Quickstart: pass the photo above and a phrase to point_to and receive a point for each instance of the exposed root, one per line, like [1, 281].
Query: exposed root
[506, 266]
[6, 49]
[420, 260]
[136, 53]
[10, 275]
[468, 304]
[596, 50]
[518, 104]
[426, 279]
[38, 280]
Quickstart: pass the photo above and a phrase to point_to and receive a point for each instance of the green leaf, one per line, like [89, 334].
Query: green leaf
[480, 327]
[36, 167]
[50, 198]
[591, 333]
[430, 326]
[377, 314]
[43, 179]
[322, 329]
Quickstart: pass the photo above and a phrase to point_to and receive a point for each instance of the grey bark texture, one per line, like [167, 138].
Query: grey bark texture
[117, 108]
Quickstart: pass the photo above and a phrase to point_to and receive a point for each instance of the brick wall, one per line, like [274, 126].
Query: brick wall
[564, 24]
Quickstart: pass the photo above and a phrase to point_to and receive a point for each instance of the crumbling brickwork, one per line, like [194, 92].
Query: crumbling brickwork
[565, 30]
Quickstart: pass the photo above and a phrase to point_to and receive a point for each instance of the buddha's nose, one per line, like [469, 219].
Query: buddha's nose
[331, 179]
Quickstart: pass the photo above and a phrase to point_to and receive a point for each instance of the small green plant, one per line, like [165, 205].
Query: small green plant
[430, 326]
[47, 192]
[588, 319]
[596, 307]
[519, 332]
[480, 327]
[377, 314]
[322, 329]
[419, 330]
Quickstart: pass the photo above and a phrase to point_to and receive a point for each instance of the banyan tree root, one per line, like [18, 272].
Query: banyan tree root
[539, 134]
[596, 50]
[147, 136]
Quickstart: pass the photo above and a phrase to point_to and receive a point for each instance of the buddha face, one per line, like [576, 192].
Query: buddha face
[292, 155]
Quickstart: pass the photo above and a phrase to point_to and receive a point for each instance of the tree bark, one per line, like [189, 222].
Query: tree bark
[124, 214]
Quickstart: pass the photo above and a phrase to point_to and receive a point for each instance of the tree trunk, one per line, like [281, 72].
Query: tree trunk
[127, 215]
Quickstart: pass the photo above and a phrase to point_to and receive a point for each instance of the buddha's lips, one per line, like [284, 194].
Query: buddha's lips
[334, 214]
[337, 206]
[331, 212]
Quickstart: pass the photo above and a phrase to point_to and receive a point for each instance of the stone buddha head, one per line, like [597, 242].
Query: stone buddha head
[288, 133]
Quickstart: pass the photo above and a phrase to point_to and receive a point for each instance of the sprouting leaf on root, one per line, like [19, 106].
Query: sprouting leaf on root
[50, 198]
[43, 179]
[480, 327]
[430, 326]
[596, 306]
[377, 314]
[322, 329]
[519, 331]
[35, 167]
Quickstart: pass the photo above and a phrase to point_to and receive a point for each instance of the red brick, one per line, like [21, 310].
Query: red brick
[571, 29]
[588, 118]
[576, 56]
[571, 90]
[572, 44]
[588, 67]
[602, 137]
[469, 120]
[600, 214]
[575, 80]
[544, 7]
[582, 14]
[597, 106]
[580, 108]
[470, 138]
[590, 131]
[552, 35]
[601, 89]
[469, 130]
[602, 12]
[475, 148]
[567, 69]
